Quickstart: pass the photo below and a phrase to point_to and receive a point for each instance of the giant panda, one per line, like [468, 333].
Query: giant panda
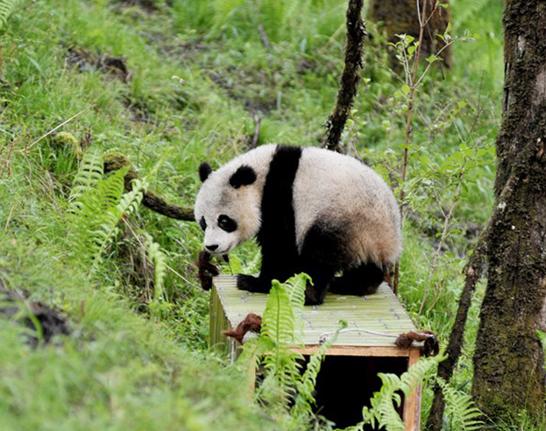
[312, 210]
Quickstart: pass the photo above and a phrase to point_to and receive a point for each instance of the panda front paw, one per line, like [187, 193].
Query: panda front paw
[250, 283]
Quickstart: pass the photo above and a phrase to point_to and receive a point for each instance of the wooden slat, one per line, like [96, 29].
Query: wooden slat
[412, 404]
[376, 320]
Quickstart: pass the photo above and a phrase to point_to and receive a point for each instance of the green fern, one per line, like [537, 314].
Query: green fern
[88, 176]
[382, 412]
[461, 412]
[286, 389]
[96, 207]
[278, 322]
[6, 9]
[277, 335]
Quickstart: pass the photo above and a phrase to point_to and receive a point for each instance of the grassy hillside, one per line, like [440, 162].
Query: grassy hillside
[170, 84]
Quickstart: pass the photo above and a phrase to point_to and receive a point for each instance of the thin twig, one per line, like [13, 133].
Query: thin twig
[263, 37]
[408, 135]
[256, 135]
[45, 135]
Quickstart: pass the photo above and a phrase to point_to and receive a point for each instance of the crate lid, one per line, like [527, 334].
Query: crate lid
[373, 320]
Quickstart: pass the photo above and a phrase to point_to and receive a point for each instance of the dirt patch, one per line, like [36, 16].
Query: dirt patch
[147, 5]
[185, 51]
[138, 110]
[44, 321]
[87, 61]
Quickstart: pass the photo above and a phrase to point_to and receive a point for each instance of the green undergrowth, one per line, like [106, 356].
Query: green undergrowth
[170, 84]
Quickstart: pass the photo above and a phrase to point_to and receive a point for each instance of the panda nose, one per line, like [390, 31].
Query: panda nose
[211, 247]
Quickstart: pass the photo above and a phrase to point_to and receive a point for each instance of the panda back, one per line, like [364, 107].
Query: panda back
[339, 192]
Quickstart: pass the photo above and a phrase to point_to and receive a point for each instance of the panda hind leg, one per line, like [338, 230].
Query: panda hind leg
[320, 259]
[316, 291]
[361, 280]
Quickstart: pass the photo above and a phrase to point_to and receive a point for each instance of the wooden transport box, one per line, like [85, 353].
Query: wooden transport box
[348, 376]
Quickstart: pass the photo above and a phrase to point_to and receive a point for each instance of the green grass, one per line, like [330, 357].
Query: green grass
[200, 73]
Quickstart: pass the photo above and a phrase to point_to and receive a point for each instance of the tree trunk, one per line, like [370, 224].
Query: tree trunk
[401, 17]
[356, 32]
[508, 362]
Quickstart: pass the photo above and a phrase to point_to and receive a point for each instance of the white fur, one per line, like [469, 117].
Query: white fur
[216, 197]
[328, 187]
[344, 191]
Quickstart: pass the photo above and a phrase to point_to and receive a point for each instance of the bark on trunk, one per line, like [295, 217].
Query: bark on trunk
[400, 17]
[508, 362]
[356, 32]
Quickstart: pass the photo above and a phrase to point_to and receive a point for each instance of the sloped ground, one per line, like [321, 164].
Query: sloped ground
[170, 84]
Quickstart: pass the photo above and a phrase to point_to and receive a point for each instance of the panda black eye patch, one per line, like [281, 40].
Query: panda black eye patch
[203, 223]
[227, 223]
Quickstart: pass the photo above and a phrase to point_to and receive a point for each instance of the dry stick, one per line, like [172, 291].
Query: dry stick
[411, 77]
[149, 200]
[263, 37]
[356, 31]
[57, 127]
[256, 136]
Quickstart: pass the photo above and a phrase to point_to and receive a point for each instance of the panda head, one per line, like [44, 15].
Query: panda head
[227, 206]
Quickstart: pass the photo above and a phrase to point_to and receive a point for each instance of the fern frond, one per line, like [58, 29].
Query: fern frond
[89, 174]
[296, 286]
[383, 405]
[96, 207]
[305, 399]
[6, 9]
[278, 318]
[416, 374]
[460, 409]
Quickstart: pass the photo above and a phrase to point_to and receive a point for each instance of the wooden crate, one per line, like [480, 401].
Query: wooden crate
[371, 318]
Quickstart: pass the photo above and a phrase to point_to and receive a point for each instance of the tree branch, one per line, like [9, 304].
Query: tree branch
[150, 200]
[356, 31]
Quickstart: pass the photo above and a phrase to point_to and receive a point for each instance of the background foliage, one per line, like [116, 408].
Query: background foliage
[191, 78]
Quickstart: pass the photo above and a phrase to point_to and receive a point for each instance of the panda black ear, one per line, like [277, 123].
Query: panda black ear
[204, 171]
[243, 176]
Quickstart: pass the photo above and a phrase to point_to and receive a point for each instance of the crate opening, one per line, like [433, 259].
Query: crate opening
[346, 383]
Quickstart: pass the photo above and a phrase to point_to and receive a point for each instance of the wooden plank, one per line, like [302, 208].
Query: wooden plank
[373, 321]
[412, 404]
[366, 351]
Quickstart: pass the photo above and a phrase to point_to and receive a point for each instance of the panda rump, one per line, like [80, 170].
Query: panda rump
[312, 210]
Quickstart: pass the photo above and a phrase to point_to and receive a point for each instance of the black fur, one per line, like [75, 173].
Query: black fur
[244, 176]
[277, 235]
[226, 223]
[322, 255]
[362, 280]
[204, 171]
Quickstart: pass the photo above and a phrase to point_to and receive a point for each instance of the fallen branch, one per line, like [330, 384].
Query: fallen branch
[150, 200]
[356, 31]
